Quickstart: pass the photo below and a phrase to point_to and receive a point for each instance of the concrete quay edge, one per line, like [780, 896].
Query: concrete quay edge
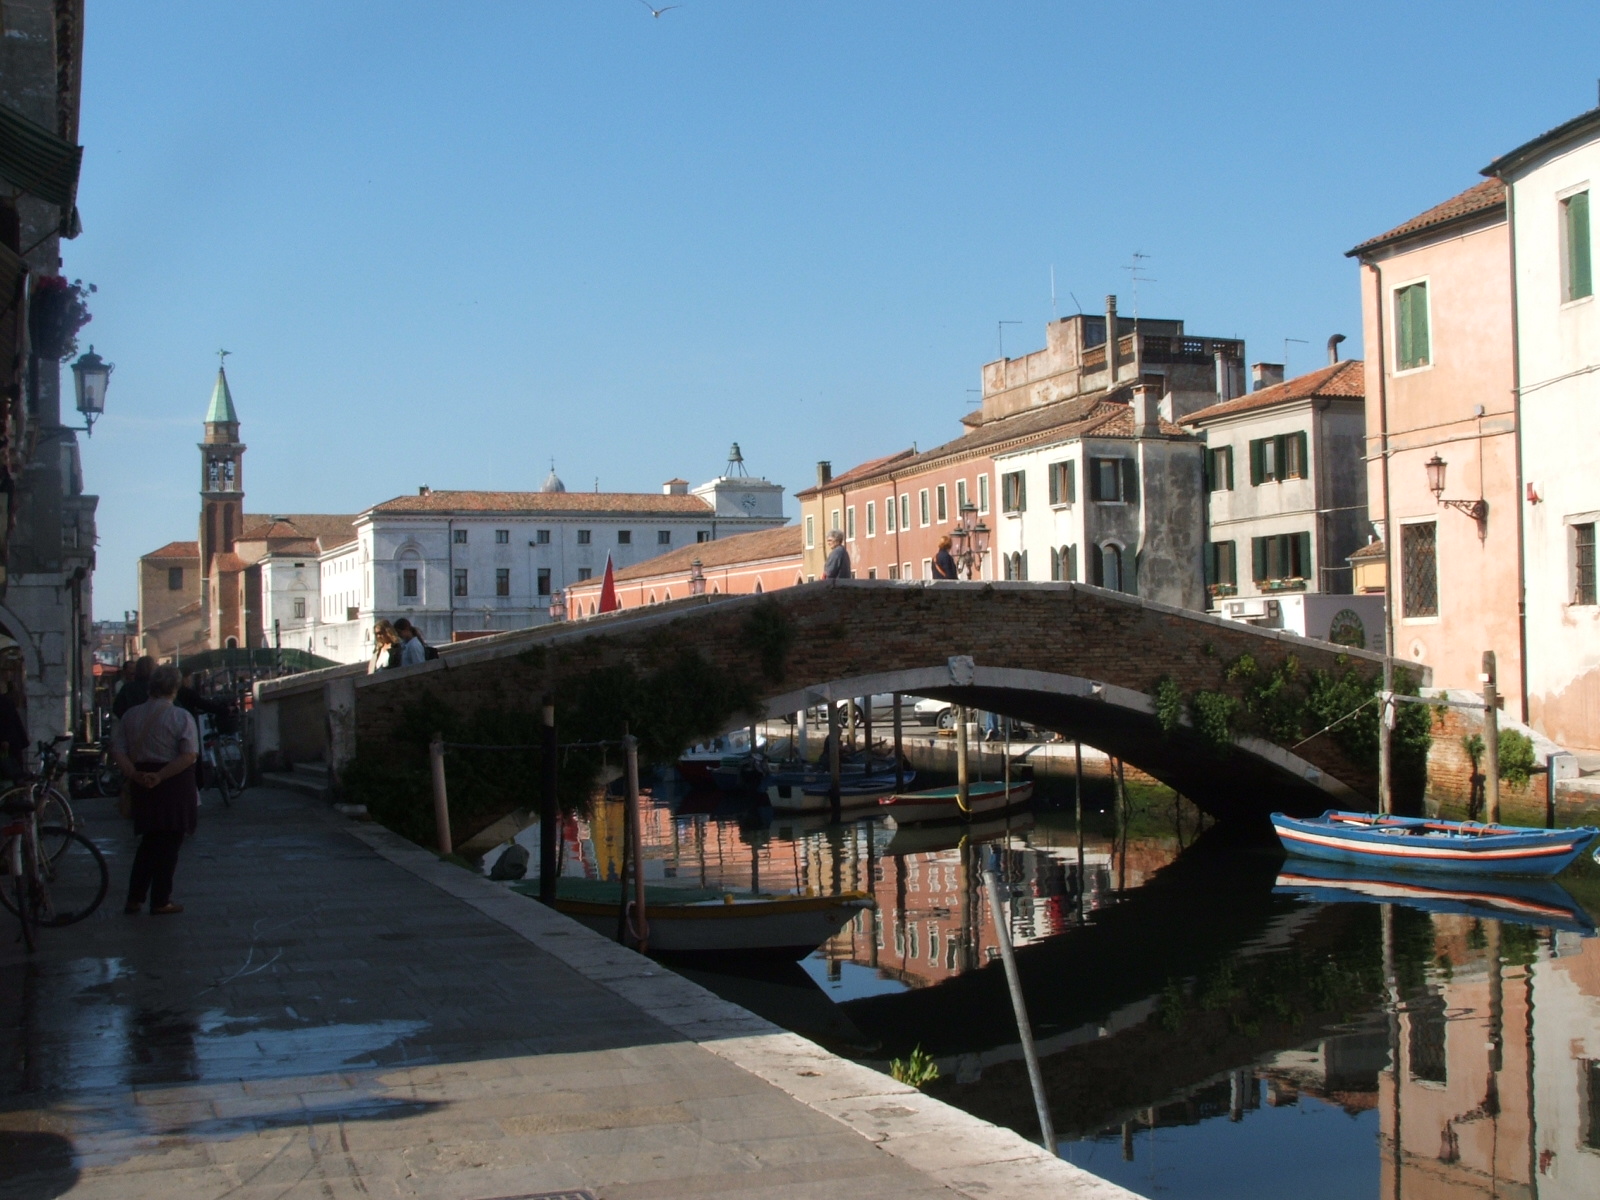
[963, 1153]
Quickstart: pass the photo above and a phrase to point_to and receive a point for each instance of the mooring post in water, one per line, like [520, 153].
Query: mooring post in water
[866, 732]
[441, 799]
[1122, 827]
[833, 758]
[1002, 933]
[963, 779]
[1077, 822]
[899, 746]
[549, 809]
[641, 924]
[1386, 730]
[802, 727]
[1491, 739]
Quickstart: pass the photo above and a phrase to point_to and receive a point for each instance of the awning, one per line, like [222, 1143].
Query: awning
[37, 161]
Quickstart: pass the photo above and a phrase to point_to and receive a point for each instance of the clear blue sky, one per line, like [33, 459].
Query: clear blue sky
[447, 242]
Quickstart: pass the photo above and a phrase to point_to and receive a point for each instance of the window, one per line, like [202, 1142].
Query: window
[461, 581]
[299, 608]
[983, 492]
[351, 613]
[1591, 1108]
[1222, 568]
[1577, 276]
[905, 510]
[408, 582]
[1108, 567]
[889, 522]
[1016, 564]
[1219, 469]
[1064, 483]
[894, 571]
[663, 537]
[905, 571]
[174, 579]
[624, 537]
[1281, 556]
[833, 523]
[927, 568]
[502, 537]
[544, 581]
[585, 573]
[1583, 561]
[811, 533]
[458, 536]
[1278, 458]
[850, 523]
[583, 537]
[1426, 1022]
[502, 581]
[922, 507]
[872, 518]
[961, 497]
[1111, 480]
[941, 504]
[1411, 327]
[872, 572]
[1014, 492]
[701, 535]
[1419, 569]
[541, 537]
[1069, 564]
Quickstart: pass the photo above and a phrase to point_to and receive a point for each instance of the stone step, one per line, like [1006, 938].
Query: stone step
[312, 770]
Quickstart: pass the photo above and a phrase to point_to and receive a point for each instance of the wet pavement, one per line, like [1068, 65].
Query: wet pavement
[338, 1014]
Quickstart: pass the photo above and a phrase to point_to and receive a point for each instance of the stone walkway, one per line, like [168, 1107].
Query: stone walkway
[339, 1014]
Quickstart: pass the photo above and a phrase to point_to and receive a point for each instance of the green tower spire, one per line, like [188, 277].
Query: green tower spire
[221, 411]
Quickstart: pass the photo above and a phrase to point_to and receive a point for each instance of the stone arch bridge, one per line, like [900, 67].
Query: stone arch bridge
[1067, 657]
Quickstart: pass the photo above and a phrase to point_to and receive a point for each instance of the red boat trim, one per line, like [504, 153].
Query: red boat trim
[1398, 850]
[1495, 899]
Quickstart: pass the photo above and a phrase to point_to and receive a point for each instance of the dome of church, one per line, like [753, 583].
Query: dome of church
[553, 483]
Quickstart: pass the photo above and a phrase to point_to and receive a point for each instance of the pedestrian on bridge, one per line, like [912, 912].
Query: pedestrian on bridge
[838, 564]
[385, 648]
[155, 746]
[944, 563]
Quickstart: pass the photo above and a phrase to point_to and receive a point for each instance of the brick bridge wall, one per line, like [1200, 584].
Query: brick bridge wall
[869, 631]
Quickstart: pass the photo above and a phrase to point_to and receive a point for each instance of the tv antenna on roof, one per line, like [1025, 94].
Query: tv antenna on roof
[1286, 342]
[1136, 278]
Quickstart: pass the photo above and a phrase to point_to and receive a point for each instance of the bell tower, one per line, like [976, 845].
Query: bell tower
[221, 482]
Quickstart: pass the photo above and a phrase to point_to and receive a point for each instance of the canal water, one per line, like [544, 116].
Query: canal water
[1209, 1022]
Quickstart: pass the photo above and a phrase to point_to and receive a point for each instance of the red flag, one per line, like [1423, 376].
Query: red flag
[608, 589]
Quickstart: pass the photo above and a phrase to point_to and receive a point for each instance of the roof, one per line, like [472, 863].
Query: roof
[1370, 550]
[1340, 381]
[1479, 198]
[621, 504]
[1580, 125]
[228, 561]
[761, 546]
[176, 550]
[1104, 415]
[322, 530]
[221, 411]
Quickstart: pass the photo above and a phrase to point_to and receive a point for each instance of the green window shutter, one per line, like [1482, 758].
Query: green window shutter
[1412, 338]
[1228, 452]
[1258, 466]
[1211, 564]
[1258, 549]
[1304, 568]
[1130, 480]
[1229, 568]
[1580, 275]
[1055, 483]
[1072, 482]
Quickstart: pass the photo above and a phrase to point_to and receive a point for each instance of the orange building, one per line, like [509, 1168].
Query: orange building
[740, 565]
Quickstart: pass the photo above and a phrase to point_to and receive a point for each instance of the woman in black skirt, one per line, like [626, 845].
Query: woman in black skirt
[155, 746]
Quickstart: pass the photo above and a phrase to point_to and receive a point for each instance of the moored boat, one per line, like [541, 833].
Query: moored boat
[944, 803]
[858, 791]
[697, 763]
[1539, 902]
[698, 923]
[1421, 844]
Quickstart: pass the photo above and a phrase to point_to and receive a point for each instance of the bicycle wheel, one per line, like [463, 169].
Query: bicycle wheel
[74, 883]
[15, 894]
[219, 777]
[53, 812]
[231, 753]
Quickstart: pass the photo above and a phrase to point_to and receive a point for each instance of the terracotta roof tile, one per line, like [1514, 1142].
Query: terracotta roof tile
[326, 530]
[177, 550]
[1370, 550]
[1479, 198]
[621, 504]
[761, 546]
[860, 471]
[1345, 379]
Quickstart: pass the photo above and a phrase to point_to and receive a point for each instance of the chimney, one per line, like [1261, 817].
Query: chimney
[1333, 348]
[1265, 375]
[424, 490]
[1224, 375]
[1111, 340]
[675, 487]
[824, 474]
[1146, 411]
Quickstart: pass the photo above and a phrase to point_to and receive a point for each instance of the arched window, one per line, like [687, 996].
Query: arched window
[1108, 567]
[652, 598]
[232, 643]
[759, 588]
[1055, 564]
[1016, 564]
[1069, 564]
[668, 595]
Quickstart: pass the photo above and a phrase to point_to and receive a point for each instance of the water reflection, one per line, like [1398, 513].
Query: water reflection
[1198, 1029]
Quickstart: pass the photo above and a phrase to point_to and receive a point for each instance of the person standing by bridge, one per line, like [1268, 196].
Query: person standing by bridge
[837, 565]
[944, 563]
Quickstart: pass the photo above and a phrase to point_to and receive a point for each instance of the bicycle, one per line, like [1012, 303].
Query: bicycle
[51, 807]
[46, 890]
[223, 755]
[94, 773]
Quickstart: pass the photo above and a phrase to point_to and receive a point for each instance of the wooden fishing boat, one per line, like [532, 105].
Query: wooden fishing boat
[698, 923]
[1537, 902]
[1420, 844]
[855, 791]
[697, 763]
[944, 803]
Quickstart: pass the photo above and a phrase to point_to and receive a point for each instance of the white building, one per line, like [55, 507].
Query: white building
[1115, 500]
[1557, 388]
[459, 562]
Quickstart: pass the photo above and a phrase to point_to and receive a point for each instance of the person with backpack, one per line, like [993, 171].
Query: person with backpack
[413, 649]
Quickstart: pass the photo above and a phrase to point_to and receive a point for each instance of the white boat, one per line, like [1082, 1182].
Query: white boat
[944, 804]
[698, 762]
[857, 791]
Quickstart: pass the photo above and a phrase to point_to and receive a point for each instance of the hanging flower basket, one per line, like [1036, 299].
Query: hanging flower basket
[56, 312]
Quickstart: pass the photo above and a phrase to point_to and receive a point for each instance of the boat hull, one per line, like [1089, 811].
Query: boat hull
[941, 804]
[1436, 847]
[784, 927]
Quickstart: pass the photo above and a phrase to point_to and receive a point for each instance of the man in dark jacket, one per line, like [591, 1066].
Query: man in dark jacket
[838, 564]
[137, 689]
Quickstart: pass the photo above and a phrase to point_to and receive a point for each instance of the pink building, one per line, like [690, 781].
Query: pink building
[739, 565]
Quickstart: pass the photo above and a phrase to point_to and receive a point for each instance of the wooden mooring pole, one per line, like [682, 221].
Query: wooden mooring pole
[833, 759]
[641, 924]
[549, 809]
[1019, 1008]
[963, 778]
[899, 746]
[1491, 740]
[441, 799]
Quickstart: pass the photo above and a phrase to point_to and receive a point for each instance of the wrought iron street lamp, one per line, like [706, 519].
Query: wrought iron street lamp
[558, 606]
[90, 374]
[1478, 509]
[971, 542]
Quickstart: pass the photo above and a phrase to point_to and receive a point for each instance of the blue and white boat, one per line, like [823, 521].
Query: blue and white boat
[1421, 844]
